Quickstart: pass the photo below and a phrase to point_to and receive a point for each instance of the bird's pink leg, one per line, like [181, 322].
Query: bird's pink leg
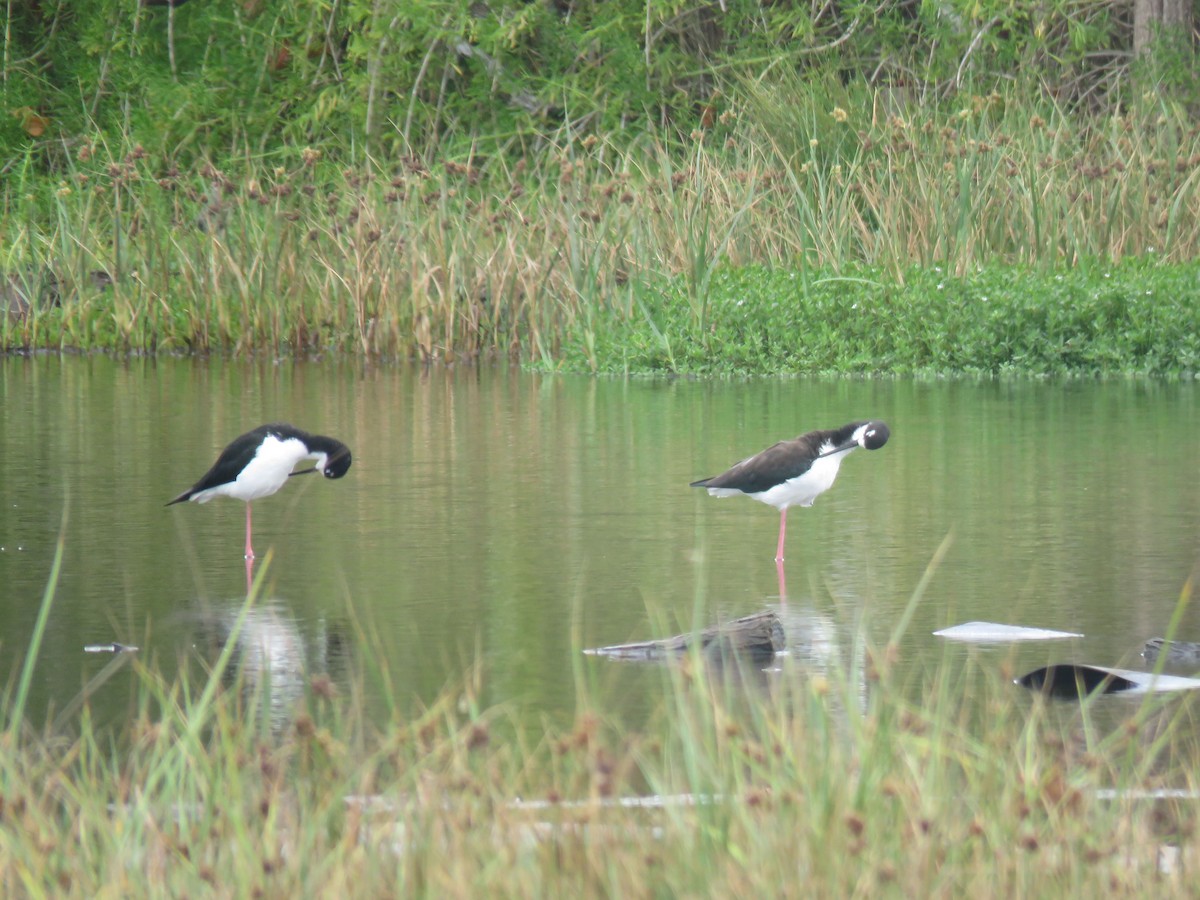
[782, 582]
[782, 532]
[249, 548]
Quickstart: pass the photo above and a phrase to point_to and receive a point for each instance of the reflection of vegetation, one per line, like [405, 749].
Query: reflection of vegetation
[847, 781]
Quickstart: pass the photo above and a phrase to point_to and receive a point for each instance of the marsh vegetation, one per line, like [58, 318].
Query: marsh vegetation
[975, 238]
[906, 189]
[850, 782]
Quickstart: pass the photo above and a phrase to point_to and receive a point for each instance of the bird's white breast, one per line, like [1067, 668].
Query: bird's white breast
[804, 489]
[266, 473]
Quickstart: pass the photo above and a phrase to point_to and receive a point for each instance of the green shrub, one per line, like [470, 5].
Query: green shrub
[1133, 318]
[390, 77]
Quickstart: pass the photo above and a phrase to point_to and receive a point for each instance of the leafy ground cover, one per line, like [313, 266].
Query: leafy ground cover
[1136, 318]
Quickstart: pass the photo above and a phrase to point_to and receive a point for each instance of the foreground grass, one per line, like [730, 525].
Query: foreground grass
[796, 783]
[540, 254]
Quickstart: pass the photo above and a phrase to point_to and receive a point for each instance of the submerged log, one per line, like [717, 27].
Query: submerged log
[757, 637]
[1179, 653]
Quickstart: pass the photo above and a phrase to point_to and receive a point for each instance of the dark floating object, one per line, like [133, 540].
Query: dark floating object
[1179, 653]
[259, 462]
[757, 637]
[1070, 680]
[795, 472]
[1073, 681]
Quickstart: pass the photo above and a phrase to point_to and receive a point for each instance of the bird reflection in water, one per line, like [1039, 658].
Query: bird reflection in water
[271, 659]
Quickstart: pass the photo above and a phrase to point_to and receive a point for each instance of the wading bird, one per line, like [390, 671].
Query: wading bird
[795, 472]
[258, 463]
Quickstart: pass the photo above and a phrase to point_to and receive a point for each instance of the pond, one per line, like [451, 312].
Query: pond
[510, 518]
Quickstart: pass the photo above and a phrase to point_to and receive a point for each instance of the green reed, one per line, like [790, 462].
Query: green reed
[507, 254]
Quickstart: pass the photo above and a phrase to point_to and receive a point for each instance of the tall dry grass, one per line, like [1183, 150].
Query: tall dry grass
[499, 255]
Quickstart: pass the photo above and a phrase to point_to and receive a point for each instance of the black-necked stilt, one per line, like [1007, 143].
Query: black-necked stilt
[795, 472]
[258, 463]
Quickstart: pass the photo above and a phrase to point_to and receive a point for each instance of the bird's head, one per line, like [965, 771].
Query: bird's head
[337, 463]
[869, 435]
[872, 435]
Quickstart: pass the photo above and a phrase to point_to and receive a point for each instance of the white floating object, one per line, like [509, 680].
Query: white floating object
[1141, 794]
[109, 648]
[991, 632]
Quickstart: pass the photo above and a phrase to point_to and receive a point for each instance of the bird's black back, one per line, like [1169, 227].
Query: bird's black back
[241, 450]
[779, 462]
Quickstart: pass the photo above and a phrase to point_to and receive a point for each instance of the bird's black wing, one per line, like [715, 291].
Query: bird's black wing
[230, 463]
[775, 465]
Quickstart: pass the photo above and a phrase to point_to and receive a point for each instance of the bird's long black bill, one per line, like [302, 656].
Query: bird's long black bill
[849, 445]
[303, 472]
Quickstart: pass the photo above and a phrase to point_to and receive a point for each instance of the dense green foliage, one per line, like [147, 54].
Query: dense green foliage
[391, 76]
[1136, 318]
